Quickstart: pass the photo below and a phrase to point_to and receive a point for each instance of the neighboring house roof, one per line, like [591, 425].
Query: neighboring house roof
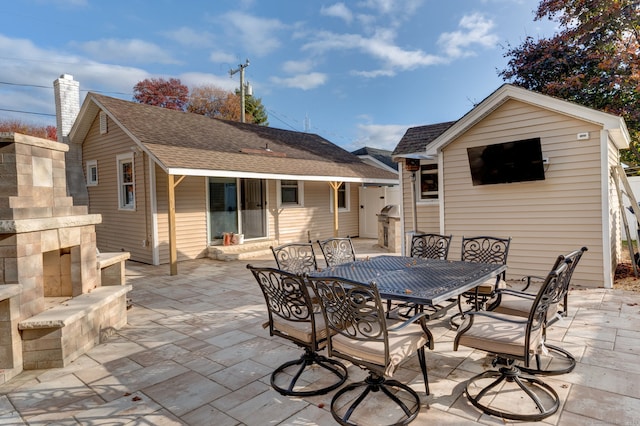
[190, 144]
[416, 139]
[379, 157]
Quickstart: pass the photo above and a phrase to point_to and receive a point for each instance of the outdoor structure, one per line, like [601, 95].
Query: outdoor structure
[171, 185]
[375, 198]
[53, 305]
[520, 165]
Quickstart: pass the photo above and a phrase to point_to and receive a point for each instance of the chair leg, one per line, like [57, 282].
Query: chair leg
[308, 359]
[543, 396]
[392, 389]
[567, 362]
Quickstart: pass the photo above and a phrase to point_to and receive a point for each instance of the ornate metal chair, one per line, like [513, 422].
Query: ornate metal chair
[428, 246]
[297, 258]
[292, 316]
[518, 303]
[337, 251]
[359, 333]
[486, 250]
[512, 338]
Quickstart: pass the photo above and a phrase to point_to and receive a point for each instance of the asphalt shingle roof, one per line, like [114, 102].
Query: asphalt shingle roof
[382, 155]
[181, 140]
[416, 139]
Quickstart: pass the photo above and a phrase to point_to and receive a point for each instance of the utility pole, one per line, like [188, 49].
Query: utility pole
[241, 68]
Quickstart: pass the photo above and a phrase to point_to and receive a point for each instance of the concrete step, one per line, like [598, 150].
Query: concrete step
[247, 250]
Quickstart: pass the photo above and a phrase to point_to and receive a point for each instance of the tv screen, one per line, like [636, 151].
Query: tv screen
[508, 162]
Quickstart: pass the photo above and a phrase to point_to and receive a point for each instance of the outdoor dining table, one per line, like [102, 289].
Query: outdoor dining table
[424, 282]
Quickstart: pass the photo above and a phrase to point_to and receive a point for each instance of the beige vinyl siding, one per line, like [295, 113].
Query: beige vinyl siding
[191, 217]
[544, 218]
[120, 230]
[428, 213]
[314, 219]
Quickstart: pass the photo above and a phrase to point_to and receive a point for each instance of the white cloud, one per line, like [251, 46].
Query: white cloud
[188, 37]
[297, 67]
[302, 81]
[475, 30]
[382, 136]
[130, 50]
[338, 10]
[222, 57]
[374, 73]
[380, 46]
[258, 35]
[193, 79]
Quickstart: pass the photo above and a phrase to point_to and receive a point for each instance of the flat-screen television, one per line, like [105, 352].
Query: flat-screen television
[508, 162]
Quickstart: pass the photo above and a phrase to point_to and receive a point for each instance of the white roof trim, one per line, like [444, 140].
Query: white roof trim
[614, 124]
[228, 173]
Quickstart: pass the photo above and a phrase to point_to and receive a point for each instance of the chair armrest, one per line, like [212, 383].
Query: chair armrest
[420, 317]
[528, 279]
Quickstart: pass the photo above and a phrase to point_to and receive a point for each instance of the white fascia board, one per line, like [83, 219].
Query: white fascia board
[507, 92]
[253, 175]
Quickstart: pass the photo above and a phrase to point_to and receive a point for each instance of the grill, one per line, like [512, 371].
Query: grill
[388, 211]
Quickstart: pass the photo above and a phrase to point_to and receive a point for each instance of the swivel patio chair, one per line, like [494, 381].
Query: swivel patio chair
[426, 246]
[359, 333]
[518, 303]
[294, 317]
[297, 258]
[486, 250]
[510, 338]
[337, 251]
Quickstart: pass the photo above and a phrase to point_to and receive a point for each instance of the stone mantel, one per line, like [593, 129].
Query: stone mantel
[43, 224]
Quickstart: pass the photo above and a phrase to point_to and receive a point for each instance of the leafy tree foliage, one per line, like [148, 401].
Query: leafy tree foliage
[592, 59]
[170, 94]
[256, 110]
[17, 126]
[214, 102]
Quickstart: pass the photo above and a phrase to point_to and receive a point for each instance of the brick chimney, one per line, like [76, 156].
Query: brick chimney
[67, 97]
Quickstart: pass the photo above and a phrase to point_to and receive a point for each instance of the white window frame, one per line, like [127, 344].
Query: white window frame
[347, 198]
[92, 165]
[123, 187]
[418, 187]
[300, 202]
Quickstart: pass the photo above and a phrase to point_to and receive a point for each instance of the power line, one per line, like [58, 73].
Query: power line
[27, 112]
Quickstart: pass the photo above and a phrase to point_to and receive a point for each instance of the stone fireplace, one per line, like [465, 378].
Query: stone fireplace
[52, 304]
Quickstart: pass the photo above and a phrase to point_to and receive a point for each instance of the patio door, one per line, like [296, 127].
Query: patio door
[253, 203]
[238, 206]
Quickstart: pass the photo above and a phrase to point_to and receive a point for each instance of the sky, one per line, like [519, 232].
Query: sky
[356, 72]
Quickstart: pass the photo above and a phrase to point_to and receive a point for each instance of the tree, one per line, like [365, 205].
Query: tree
[170, 94]
[17, 126]
[215, 102]
[592, 59]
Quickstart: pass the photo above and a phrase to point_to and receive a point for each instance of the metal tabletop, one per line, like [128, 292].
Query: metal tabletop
[417, 280]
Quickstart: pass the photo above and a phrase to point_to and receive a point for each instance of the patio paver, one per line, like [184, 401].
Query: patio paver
[194, 352]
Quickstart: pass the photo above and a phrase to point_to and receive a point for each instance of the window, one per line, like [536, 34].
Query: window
[428, 182]
[291, 193]
[344, 203]
[92, 173]
[126, 192]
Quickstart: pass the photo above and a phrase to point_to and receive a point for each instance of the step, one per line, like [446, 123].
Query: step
[247, 250]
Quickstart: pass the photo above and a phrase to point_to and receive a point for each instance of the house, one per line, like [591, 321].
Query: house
[170, 184]
[551, 190]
